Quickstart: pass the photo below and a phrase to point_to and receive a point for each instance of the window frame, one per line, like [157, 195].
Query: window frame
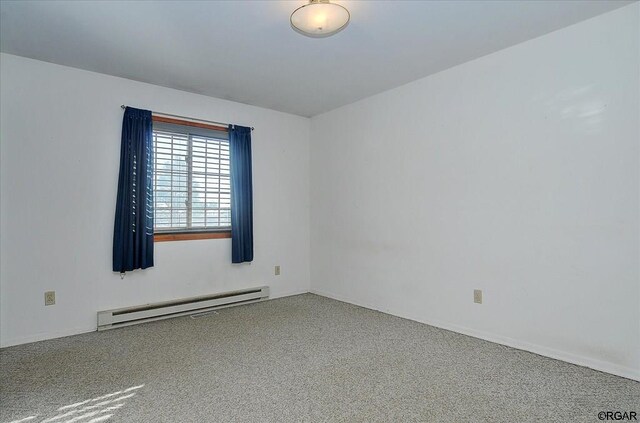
[206, 233]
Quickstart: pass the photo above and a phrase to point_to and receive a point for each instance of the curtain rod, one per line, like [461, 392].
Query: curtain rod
[187, 118]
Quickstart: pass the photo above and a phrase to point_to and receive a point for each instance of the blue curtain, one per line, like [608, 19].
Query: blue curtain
[133, 229]
[241, 194]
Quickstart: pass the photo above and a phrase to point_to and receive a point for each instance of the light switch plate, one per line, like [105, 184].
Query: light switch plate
[477, 296]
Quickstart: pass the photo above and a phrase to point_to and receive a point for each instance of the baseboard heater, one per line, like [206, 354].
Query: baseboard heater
[111, 319]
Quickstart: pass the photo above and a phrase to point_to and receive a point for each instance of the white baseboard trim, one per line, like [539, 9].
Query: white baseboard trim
[568, 357]
[80, 330]
[43, 336]
[288, 294]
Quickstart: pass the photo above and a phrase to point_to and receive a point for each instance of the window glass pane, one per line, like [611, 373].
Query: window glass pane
[191, 181]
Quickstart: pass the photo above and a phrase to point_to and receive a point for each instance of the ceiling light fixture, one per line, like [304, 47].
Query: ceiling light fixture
[320, 18]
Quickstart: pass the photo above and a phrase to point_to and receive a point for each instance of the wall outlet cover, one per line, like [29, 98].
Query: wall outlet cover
[477, 296]
[49, 298]
[277, 270]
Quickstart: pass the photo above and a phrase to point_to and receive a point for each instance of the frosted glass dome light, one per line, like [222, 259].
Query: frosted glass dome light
[320, 18]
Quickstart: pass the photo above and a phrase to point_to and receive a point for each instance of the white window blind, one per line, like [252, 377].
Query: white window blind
[192, 186]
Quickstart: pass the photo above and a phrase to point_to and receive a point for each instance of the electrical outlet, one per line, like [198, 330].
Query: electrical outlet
[277, 270]
[477, 296]
[49, 298]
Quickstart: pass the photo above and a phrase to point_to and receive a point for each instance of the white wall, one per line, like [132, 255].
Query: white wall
[60, 141]
[517, 174]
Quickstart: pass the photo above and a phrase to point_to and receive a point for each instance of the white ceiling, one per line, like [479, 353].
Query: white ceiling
[247, 52]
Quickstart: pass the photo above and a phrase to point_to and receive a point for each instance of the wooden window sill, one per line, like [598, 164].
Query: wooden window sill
[159, 237]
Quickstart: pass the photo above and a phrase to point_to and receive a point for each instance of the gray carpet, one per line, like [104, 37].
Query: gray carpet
[302, 358]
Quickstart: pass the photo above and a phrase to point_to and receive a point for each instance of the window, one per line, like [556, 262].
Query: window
[192, 187]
